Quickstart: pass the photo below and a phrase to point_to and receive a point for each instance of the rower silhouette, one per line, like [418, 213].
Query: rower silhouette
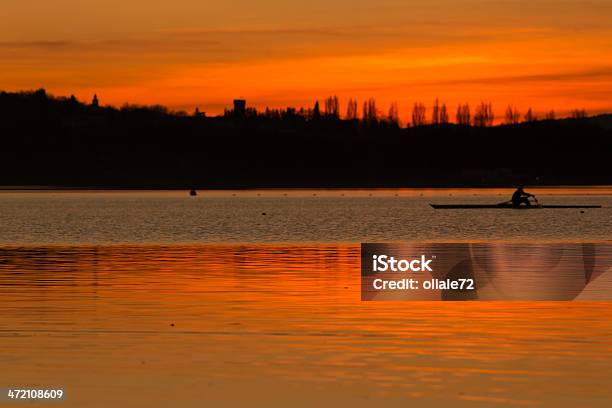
[520, 196]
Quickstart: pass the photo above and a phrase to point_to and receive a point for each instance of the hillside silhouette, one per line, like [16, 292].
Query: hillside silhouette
[49, 141]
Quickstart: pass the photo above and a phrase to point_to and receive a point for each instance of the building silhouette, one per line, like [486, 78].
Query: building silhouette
[239, 107]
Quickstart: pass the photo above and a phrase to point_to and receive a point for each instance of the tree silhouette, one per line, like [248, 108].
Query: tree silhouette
[529, 116]
[513, 116]
[393, 116]
[332, 107]
[316, 112]
[370, 113]
[444, 115]
[351, 110]
[550, 115]
[418, 114]
[435, 115]
[463, 115]
[94, 102]
[484, 115]
[579, 114]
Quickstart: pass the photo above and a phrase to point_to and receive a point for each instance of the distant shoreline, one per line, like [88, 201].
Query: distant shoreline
[607, 188]
[59, 143]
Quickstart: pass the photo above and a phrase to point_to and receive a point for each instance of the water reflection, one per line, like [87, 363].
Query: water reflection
[279, 325]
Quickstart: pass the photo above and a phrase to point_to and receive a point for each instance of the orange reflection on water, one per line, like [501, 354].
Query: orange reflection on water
[279, 325]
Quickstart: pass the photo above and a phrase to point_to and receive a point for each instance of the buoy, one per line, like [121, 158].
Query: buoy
[193, 192]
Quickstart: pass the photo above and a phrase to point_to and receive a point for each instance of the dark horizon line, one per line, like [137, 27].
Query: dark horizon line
[111, 187]
[509, 116]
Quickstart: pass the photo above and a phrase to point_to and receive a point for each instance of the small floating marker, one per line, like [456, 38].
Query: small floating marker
[193, 193]
[263, 213]
[172, 324]
[581, 212]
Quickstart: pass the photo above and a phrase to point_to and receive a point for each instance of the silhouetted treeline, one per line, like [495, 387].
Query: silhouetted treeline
[48, 141]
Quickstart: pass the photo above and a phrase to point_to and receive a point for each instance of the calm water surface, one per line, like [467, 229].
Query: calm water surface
[157, 299]
[293, 216]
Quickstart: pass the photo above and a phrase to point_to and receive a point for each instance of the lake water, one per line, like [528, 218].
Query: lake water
[78, 218]
[156, 299]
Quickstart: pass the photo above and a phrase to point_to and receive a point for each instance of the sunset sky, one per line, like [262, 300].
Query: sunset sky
[186, 53]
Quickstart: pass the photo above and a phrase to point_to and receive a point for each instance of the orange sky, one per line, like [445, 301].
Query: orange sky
[545, 54]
